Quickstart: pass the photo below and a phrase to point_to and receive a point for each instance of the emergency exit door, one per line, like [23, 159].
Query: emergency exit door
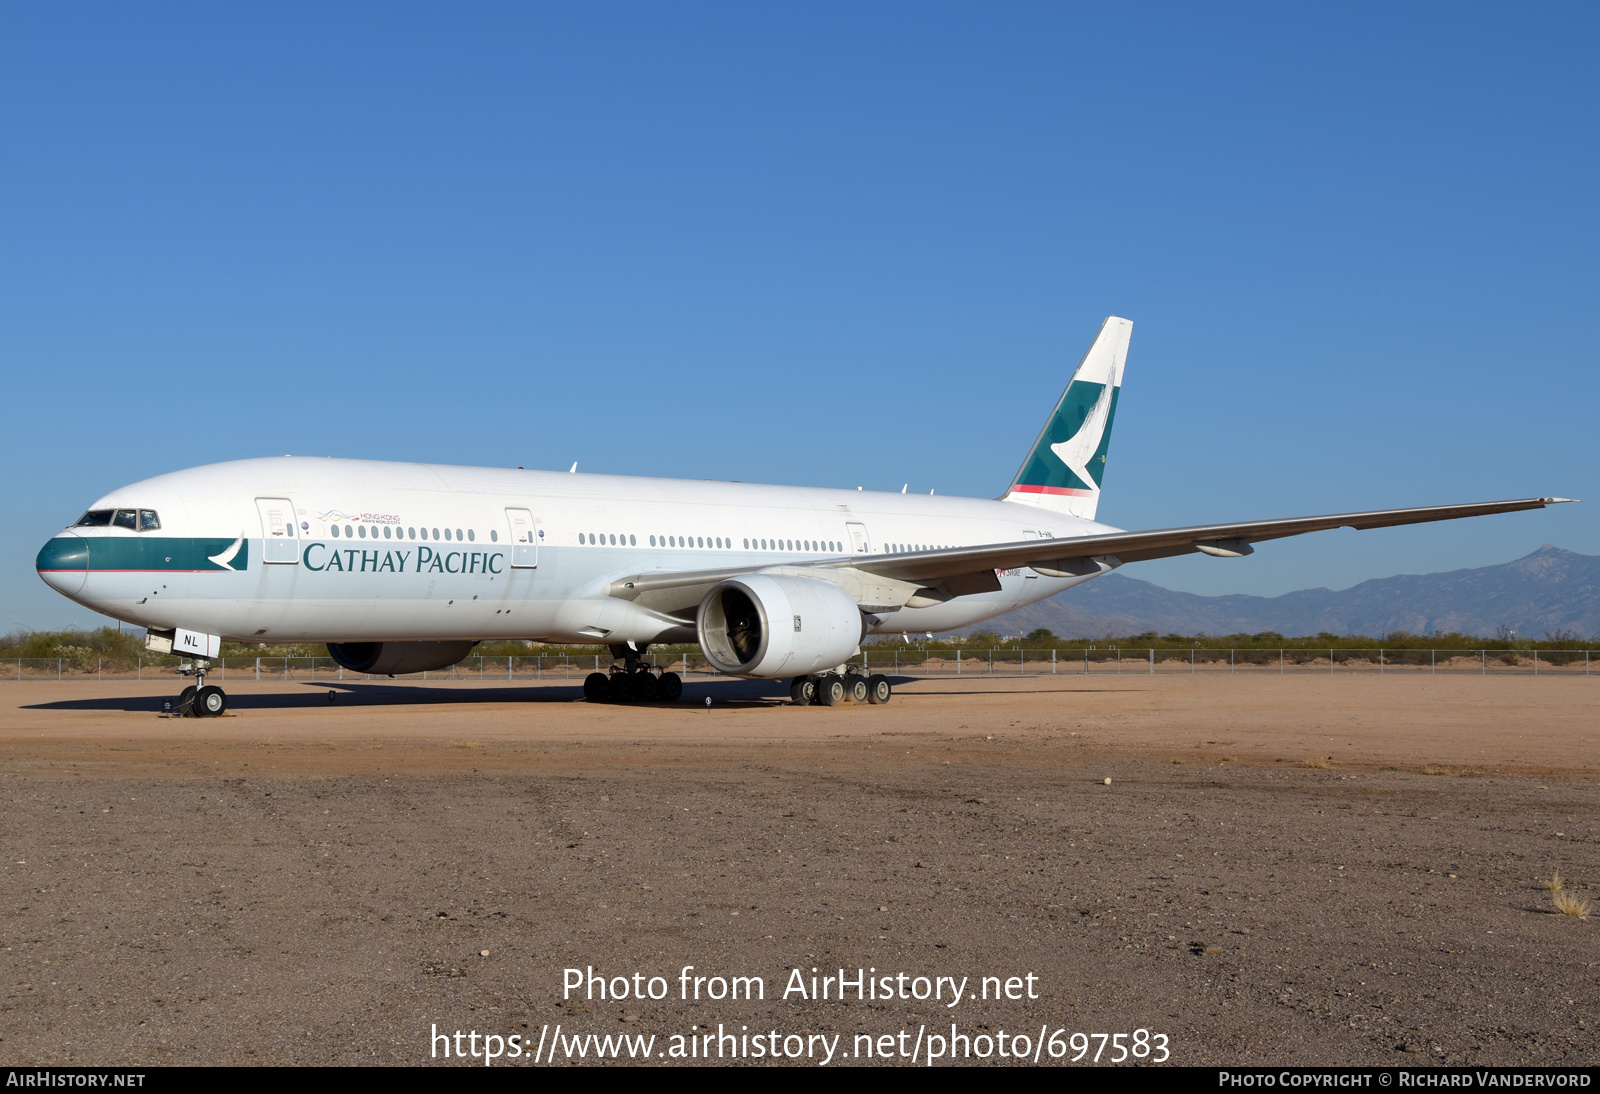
[524, 539]
[859, 543]
[280, 541]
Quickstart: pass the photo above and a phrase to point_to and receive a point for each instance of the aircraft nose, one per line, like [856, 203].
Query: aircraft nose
[63, 563]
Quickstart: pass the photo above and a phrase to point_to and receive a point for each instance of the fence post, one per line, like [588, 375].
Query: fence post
[1380, 662]
[1053, 662]
[1231, 666]
[958, 665]
[1086, 660]
[1484, 654]
[1536, 662]
[98, 661]
[991, 662]
[1280, 662]
[1152, 661]
[58, 670]
[1191, 661]
[1330, 662]
[1433, 662]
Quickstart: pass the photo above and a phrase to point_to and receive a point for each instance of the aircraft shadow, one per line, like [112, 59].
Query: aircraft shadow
[724, 692]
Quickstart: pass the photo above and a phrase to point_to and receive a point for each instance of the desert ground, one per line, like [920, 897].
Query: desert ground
[1300, 869]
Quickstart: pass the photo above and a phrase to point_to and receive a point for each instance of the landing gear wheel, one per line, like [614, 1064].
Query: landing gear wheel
[855, 686]
[645, 687]
[620, 688]
[210, 701]
[878, 689]
[595, 687]
[185, 705]
[669, 689]
[831, 691]
[803, 690]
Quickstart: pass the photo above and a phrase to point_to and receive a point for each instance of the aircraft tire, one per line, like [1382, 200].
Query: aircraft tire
[185, 706]
[211, 702]
[803, 690]
[669, 688]
[855, 686]
[645, 687]
[619, 689]
[878, 689]
[831, 691]
[596, 686]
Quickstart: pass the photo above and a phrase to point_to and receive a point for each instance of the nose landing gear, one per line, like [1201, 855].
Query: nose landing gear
[200, 699]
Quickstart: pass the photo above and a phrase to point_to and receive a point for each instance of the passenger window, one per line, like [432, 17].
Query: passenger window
[436, 533]
[126, 518]
[385, 531]
[632, 542]
[148, 521]
[458, 533]
[472, 535]
[494, 537]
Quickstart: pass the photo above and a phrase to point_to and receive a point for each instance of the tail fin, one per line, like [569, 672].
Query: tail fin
[1063, 471]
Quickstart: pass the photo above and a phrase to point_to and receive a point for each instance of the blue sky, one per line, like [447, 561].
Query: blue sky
[824, 244]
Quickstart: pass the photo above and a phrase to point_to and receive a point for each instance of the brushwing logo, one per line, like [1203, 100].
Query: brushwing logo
[1079, 450]
[225, 559]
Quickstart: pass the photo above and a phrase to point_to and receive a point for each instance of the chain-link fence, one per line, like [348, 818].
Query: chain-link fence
[912, 662]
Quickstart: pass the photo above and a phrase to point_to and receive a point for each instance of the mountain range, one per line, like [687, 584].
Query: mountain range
[1548, 592]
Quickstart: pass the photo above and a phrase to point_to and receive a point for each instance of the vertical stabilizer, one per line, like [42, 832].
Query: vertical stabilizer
[1064, 470]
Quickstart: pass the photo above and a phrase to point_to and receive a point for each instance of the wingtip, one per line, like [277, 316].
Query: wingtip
[1558, 501]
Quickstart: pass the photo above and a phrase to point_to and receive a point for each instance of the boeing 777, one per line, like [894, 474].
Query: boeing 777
[403, 567]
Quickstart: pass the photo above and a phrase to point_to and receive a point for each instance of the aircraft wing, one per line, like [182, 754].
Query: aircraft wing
[888, 581]
[1226, 540]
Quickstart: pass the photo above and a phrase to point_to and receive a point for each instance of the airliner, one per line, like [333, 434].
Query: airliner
[404, 567]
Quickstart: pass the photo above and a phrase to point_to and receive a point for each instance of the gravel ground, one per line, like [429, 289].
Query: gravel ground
[167, 902]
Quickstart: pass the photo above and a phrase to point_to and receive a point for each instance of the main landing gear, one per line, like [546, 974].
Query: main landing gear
[200, 699]
[632, 682]
[831, 689]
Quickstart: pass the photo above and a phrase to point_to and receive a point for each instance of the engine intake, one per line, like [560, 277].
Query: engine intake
[398, 658]
[778, 626]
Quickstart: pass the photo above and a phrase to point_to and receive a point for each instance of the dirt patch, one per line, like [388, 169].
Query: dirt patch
[314, 885]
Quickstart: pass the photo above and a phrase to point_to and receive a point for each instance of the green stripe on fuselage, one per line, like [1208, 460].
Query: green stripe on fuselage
[149, 553]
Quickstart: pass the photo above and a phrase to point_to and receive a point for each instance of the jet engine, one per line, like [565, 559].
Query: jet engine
[761, 625]
[397, 658]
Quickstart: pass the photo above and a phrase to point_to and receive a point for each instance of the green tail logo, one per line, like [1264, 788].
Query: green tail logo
[1066, 467]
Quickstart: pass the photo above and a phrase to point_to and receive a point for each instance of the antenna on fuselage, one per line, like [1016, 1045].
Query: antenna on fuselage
[573, 470]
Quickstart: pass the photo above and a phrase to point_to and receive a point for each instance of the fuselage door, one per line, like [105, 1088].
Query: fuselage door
[280, 542]
[859, 543]
[524, 539]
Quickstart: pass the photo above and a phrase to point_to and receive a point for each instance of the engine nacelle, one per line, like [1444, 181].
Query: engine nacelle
[398, 658]
[778, 626]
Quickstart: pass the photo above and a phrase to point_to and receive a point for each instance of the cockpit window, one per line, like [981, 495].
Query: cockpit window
[135, 520]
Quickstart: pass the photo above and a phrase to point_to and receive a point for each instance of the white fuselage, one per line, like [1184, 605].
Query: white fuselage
[399, 577]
